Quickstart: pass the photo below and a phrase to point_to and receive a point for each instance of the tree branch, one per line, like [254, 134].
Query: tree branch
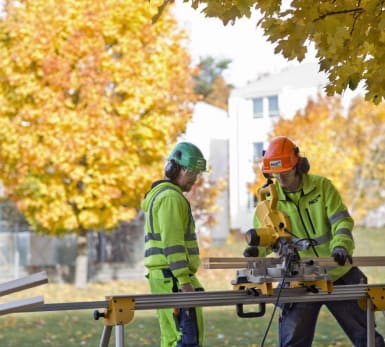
[355, 17]
[356, 11]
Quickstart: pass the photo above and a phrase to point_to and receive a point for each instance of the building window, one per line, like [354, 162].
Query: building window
[273, 105]
[258, 107]
[257, 151]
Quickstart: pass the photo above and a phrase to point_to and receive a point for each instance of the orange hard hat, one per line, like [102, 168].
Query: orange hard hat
[281, 155]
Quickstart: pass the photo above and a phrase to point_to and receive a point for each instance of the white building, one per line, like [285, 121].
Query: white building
[209, 130]
[253, 110]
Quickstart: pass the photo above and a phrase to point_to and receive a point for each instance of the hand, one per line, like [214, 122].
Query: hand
[341, 255]
[187, 287]
[251, 251]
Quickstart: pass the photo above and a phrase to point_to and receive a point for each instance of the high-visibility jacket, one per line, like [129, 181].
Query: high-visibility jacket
[170, 239]
[318, 214]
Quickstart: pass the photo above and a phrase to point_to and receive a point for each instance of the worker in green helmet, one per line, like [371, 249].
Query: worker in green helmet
[171, 247]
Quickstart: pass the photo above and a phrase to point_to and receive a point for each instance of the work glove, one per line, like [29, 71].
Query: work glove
[251, 251]
[341, 255]
[187, 287]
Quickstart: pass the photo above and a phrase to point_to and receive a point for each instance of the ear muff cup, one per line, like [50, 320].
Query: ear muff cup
[303, 165]
[172, 169]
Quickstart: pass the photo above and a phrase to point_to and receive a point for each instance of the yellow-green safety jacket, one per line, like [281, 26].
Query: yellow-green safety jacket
[170, 239]
[318, 213]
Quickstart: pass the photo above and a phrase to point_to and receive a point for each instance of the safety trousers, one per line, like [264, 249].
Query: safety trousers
[178, 327]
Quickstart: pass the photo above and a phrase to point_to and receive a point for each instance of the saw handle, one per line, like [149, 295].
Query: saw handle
[271, 191]
[260, 313]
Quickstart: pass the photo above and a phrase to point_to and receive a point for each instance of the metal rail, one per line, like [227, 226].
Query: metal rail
[23, 283]
[119, 309]
[242, 262]
[19, 285]
[217, 298]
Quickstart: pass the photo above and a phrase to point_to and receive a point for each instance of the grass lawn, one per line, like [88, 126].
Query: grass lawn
[223, 326]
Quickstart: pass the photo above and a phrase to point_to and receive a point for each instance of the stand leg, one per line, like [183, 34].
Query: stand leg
[105, 339]
[370, 323]
[119, 335]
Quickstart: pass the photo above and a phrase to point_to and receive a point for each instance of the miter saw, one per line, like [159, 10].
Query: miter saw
[287, 267]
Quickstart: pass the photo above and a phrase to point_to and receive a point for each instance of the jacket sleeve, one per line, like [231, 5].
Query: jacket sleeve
[341, 222]
[173, 219]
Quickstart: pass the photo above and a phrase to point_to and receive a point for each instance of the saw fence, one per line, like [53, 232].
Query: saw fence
[117, 311]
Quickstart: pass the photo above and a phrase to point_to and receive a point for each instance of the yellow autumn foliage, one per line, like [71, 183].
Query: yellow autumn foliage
[92, 97]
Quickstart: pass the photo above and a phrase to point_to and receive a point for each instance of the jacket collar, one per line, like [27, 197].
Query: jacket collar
[307, 186]
[162, 182]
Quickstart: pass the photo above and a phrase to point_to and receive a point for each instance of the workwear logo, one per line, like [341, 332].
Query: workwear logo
[313, 201]
[201, 164]
[275, 164]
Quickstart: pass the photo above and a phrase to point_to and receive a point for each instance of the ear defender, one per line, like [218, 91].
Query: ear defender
[172, 169]
[304, 165]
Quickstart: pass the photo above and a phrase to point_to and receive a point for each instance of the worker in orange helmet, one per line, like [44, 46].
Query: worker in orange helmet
[321, 221]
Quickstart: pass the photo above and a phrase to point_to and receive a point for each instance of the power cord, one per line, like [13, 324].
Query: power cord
[276, 302]
[312, 242]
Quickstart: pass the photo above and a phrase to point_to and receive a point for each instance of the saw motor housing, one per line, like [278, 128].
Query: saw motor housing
[275, 224]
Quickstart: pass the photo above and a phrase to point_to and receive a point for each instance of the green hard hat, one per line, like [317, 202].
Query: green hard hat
[189, 156]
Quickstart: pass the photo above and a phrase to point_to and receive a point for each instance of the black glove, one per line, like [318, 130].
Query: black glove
[251, 251]
[340, 255]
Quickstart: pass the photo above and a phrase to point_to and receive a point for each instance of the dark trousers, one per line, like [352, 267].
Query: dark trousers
[188, 326]
[297, 321]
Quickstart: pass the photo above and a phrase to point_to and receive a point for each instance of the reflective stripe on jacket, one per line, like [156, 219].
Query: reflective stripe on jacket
[170, 239]
[319, 215]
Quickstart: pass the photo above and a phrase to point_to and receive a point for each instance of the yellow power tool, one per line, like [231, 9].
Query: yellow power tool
[275, 233]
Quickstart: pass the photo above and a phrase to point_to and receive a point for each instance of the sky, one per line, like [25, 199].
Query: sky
[242, 42]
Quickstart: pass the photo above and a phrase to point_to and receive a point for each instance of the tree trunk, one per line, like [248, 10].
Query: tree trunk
[81, 266]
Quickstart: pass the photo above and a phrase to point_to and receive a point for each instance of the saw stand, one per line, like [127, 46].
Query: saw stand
[120, 311]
